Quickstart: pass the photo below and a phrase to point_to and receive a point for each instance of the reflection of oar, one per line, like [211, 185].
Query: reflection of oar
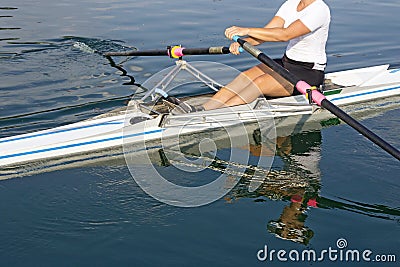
[317, 97]
[174, 52]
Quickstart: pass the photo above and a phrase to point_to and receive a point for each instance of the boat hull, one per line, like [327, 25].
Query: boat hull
[114, 130]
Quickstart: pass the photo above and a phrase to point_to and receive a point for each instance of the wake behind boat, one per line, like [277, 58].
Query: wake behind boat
[150, 121]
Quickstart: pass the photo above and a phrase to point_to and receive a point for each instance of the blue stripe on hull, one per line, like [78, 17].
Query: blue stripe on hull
[60, 131]
[78, 144]
[366, 93]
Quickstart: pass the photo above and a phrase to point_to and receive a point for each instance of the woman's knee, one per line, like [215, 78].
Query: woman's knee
[262, 82]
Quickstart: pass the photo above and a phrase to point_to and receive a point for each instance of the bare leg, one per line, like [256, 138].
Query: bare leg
[246, 87]
[232, 89]
[262, 85]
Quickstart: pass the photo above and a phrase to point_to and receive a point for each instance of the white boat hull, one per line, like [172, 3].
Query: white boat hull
[359, 86]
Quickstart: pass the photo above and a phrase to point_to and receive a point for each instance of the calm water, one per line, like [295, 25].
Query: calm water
[96, 215]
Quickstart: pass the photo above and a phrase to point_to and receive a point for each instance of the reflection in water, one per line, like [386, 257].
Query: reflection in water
[296, 179]
[7, 30]
[301, 155]
[299, 183]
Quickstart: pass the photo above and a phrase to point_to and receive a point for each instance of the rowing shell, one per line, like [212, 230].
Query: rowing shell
[113, 129]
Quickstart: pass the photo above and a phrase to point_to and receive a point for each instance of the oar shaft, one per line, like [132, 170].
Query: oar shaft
[319, 98]
[206, 51]
[360, 128]
[138, 53]
[175, 52]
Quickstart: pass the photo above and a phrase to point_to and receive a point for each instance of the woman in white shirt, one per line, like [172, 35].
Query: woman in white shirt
[305, 24]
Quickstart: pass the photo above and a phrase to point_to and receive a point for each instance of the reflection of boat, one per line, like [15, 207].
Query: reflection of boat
[144, 122]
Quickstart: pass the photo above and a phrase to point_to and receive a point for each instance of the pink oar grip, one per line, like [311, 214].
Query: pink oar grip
[179, 52]
[317, 97]
[176, 52]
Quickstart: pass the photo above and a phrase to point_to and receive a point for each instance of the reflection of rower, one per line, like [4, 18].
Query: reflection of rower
[302, 151]
[290, 225]
[300, 154]
[299, 183]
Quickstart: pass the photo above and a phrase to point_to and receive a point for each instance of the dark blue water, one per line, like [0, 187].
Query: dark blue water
[96, 215]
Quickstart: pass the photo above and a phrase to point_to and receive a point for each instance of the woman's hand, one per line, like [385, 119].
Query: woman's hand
[234, 30]
[234, 48]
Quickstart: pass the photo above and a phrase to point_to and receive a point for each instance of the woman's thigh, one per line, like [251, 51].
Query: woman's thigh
[272, 87]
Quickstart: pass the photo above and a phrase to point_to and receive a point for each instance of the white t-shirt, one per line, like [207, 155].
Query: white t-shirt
[310, 47]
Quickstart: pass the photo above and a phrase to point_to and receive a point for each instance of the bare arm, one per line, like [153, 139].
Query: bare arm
[276, 22]
[273, 34]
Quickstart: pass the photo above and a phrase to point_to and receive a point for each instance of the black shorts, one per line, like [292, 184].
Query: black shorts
[303, 71]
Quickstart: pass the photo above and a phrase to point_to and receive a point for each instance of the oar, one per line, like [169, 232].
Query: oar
[174, 52]
[317, 97]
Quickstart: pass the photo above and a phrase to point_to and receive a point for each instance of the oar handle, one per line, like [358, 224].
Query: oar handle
[319, 98]
[174, 52]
